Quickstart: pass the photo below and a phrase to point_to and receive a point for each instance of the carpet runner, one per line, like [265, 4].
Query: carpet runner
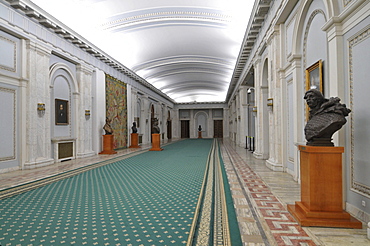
[171, 197]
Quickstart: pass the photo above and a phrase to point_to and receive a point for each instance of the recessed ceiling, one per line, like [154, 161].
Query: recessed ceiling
[187, 49]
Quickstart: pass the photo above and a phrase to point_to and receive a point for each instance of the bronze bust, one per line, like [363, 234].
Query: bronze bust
[156, 128]
[107, 128]
[326, 116]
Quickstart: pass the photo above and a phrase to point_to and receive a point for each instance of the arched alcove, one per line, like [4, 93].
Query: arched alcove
[63, 111]
[201, 119]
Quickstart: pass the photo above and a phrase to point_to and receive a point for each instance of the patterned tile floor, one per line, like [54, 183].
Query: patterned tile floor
[260, 198]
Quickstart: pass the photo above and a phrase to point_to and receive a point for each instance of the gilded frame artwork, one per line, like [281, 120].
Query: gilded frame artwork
[314, 77]
[61, 112]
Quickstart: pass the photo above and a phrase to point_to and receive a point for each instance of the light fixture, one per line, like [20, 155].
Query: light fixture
[270, 102]
[40, 107]
[250, 89]
[87, 112]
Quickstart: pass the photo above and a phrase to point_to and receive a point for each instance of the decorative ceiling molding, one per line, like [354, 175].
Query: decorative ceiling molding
[181, 60]
[183, 70]
[165, 18]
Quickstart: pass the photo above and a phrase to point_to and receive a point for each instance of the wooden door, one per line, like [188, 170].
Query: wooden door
[169, 129]
[185, 133]
[218, 129]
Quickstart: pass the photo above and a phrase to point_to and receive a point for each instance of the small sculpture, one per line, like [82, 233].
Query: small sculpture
[326, 117]
[200, 128]
[156, 128]
[133, 128]
[107, 128]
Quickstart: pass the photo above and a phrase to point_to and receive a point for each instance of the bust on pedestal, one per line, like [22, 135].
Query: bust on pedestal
[321, 167]
[156, 137]
[134, 137]
[200, 131]
[108, 139]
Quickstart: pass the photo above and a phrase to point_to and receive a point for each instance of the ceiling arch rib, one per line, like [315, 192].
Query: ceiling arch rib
[183, 70]
[183, 59]
[181, 85]
[154, 17]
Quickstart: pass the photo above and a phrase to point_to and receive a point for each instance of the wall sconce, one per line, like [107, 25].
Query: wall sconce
[250, 89]
[254, 109]
[87, 114]
[270, 102]
[41, 107]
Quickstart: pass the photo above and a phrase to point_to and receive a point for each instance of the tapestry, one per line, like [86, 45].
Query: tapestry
[116, 110]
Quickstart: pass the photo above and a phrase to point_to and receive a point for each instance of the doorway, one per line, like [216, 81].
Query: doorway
[185, 133]
[218, 129]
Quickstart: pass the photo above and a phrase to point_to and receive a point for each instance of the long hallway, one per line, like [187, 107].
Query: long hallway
[260, 198]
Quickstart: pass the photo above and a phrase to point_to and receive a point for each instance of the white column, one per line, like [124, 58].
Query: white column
[84, 122]
[243, 113]
[98, 110]
[261, 139]
[275, 141]
[38, 137]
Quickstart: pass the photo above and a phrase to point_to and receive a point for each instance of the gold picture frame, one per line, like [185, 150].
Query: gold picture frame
[314, 77]
[61, 112]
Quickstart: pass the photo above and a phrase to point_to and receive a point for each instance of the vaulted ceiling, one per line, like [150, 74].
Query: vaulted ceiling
[187, 49]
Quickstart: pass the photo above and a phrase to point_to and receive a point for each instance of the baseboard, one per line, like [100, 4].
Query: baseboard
[357, 213]
[9, 169]
[39, 163]
[278, 167]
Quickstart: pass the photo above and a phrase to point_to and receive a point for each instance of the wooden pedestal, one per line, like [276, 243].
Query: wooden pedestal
[156, 142]
[134, 140]
[108, 145]
[321, 189]
[199, 134]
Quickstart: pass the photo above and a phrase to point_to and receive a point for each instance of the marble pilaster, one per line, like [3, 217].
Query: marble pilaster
[38, 144]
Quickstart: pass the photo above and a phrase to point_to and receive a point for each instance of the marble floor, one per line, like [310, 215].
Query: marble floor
[262, 215]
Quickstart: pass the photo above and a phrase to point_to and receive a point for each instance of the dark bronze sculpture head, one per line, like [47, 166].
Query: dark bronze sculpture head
[326, 116]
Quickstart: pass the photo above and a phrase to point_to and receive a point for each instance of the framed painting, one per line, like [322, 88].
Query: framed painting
[137, 120]
[61, 112]
[314, 77]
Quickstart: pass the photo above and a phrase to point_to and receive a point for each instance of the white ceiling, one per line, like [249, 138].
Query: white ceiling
[186, 48]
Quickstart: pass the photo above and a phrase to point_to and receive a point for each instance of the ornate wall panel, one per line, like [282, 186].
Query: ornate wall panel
[8, 50]
[7, 124]
[359, 99]
[116, 106]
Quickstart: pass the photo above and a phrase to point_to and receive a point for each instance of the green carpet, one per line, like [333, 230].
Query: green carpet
[148, 199]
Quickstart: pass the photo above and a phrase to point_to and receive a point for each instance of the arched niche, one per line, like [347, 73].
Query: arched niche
[201, 119]
[63, 91]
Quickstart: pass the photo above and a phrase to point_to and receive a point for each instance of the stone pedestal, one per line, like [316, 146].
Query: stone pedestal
[199, 134]
[321, 189]
[156, 142]
[134, 140]
[108, 145]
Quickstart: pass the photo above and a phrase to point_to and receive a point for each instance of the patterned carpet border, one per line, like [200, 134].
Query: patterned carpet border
[283, 227]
